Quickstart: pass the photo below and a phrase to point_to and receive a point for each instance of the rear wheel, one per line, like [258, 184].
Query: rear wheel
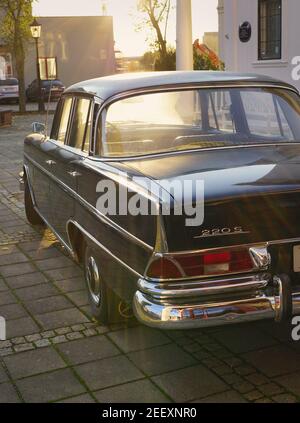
[106, 306]
[31, 214]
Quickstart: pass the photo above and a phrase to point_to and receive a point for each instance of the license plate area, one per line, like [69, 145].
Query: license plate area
[296, 258]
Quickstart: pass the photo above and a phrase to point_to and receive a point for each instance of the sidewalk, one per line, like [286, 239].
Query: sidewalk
[56, 353]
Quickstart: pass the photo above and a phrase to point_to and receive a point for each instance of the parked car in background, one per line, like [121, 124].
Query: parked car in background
[9, 90]
[55, 87]
[146, 135]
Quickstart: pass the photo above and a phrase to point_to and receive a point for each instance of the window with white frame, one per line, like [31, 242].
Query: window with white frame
[269, 29]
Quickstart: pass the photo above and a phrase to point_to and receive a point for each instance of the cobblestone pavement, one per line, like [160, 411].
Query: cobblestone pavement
[56, 353]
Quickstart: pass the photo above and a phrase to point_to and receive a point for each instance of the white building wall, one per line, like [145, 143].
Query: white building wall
[243, 57]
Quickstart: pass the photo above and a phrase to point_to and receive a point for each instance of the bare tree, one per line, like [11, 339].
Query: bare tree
[157, 16]
[15, 32]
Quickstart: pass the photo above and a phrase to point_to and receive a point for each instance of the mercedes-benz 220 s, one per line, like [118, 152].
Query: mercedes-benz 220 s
[179, 193]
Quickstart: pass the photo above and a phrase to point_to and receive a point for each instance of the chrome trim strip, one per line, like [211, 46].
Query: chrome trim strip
[195, 315]
[261, 244]
[96, 242]
[91, 208]
[200, 288]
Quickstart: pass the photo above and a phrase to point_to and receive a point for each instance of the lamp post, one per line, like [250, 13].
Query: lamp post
[36, 29]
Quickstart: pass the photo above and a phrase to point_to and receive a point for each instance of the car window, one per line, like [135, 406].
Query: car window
[81, 123]
[64, 119]
[200, 118]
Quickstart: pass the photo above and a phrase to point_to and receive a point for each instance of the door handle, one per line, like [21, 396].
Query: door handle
[50, 162]
[74, 174]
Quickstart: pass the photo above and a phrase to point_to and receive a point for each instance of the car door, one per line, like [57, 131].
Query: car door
[39, 161]
[67, 159]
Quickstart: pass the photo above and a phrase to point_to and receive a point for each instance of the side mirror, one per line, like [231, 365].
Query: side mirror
[38, 128]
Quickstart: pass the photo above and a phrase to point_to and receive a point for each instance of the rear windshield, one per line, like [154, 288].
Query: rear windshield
[204, 118]
[11, 81]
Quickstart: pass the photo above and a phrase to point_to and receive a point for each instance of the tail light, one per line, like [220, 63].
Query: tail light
[201, 264]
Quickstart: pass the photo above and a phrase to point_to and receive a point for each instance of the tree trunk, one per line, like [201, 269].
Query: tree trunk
[160, 39]
[20, 59]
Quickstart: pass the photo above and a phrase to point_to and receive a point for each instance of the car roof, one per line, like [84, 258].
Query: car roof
[109, 86]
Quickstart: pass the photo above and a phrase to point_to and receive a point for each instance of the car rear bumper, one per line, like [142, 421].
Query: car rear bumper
[189, 313]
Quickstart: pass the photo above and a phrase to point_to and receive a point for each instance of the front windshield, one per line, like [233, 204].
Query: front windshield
[204, 118]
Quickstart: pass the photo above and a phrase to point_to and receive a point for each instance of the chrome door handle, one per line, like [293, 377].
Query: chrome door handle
[50, 162]
[74, 174]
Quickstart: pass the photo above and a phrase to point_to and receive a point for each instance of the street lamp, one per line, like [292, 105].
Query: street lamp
[36, 30]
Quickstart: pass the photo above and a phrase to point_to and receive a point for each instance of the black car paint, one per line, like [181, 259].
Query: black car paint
[240, 182]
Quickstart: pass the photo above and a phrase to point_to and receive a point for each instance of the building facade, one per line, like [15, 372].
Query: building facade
[83, 47]
[261, 36]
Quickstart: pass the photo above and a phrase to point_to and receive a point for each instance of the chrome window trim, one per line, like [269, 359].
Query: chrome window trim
[91, 208]
[153, 90]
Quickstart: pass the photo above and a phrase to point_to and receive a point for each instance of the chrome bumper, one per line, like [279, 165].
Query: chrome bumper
[188, 313]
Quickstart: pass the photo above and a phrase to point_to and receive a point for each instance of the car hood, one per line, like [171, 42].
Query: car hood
[231, 172]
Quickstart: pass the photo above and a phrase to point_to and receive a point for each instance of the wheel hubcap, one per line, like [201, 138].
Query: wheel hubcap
[93, 280]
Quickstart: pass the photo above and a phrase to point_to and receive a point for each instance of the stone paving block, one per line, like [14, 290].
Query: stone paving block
[44, 253]
[281, 332]
[190, 384]
[59, 318]
[275, 361]
[228, 397]
[291, 382]
[34, 245]
[270, 389]
[21, 327]
[16, 270]
[54, 263]
[50, 386]
[3, 286]
[12, 311]
[108, 372]
[141, 391]
[42, 343]
[3, 375]
[7, 298]
[65, 273]
[24, 347]
[47, 305]
[85, 350]
[244, 338]
[81, 399]
[36, 292]
[71, 284]
[80, 298]
[161, 359]
[33, 362]
[7, 249]
[138, 338]
[8, 394]
[30, 279]
[285, 399]
[12, 259]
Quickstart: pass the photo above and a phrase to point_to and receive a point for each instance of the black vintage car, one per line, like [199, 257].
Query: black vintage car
[229, 143]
